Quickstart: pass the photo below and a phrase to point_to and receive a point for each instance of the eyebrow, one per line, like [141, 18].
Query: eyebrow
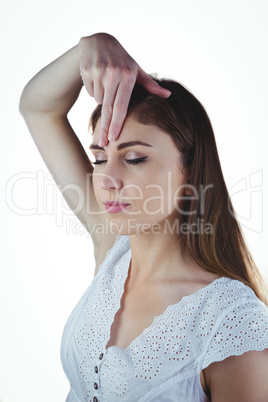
[122, 145]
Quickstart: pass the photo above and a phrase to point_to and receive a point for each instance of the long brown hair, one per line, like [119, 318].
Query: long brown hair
[223, 250]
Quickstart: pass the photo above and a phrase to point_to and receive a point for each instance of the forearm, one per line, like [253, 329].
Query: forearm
[55, 88]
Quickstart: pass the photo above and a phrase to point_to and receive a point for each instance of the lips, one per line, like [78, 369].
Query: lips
[115, 206]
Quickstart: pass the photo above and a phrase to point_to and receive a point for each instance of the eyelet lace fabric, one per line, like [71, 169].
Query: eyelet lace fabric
[223, 319]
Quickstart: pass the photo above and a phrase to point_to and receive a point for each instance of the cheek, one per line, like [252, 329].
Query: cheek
[170, 190]
[158, 196]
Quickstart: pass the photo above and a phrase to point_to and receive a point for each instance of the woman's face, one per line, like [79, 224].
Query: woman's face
[138, 178]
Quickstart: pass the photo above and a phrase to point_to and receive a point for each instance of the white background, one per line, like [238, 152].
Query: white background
[218, 49]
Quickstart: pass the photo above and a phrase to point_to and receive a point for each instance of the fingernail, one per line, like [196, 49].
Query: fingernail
[112, 137]
[101, 142]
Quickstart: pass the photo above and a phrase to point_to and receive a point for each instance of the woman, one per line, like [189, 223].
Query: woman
[176, 311]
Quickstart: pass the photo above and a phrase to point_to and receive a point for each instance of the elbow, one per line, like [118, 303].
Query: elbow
[29, 102]
[24, 103]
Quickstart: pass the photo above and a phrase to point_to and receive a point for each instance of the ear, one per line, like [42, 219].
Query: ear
[188, 190]
[187, 187]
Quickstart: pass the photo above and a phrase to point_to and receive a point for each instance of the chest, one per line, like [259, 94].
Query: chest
[134, 315]
[138, 310]
[139, 307]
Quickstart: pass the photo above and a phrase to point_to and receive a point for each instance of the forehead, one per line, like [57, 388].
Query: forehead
[133, 130]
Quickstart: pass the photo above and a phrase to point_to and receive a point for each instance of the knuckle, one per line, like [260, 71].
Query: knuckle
[128, 75]
[111, 70]
[85, 68]
[92, 70]
[110, 75]
[107, 108]
[99, 67]
[121, 106]
[102, 69]
[103, 132]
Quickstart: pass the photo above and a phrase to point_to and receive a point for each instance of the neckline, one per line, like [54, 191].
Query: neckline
[156, 319]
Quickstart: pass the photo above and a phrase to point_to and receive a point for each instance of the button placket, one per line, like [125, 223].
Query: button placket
[96, 370]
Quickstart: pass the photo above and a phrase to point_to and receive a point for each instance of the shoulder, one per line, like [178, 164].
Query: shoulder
[239, 378]
[240, 325]
[235, 359]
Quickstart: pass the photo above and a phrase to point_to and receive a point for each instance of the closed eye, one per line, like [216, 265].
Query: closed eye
[98, 162]
[136, 161]
[129, 161]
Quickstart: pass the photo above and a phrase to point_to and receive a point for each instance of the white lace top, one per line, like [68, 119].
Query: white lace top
[164, 363]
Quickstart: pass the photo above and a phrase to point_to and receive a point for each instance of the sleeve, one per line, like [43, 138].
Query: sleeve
[244, 328]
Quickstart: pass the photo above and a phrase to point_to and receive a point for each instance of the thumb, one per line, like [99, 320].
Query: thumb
[152, 86]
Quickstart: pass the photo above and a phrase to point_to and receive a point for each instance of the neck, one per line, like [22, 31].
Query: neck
[156, 257]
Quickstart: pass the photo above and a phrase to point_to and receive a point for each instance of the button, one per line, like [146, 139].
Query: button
[96, 369]
[101, 356]
[96, 385]
[95, 399]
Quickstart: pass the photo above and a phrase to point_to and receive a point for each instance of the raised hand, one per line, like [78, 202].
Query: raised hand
[109, 74]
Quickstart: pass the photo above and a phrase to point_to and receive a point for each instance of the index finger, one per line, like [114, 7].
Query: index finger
[106, 112]
[120, 108]
[151, 85]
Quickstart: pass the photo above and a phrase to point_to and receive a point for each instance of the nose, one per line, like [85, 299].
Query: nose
[110, 182]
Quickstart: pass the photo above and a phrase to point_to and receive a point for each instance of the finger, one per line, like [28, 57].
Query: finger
[120, 107]
[98, 92]
[106, 112]
[152, 86]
